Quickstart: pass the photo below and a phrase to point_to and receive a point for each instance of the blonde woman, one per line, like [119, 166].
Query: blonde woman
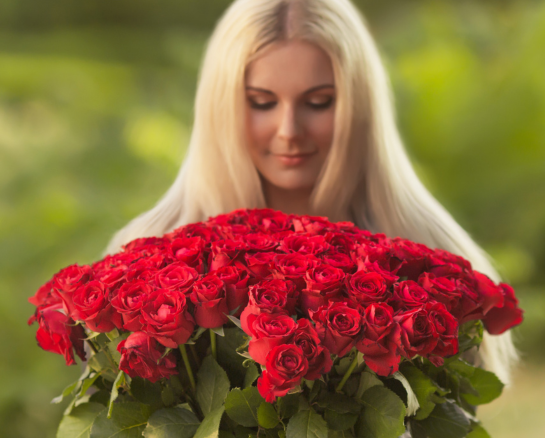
[294, 112]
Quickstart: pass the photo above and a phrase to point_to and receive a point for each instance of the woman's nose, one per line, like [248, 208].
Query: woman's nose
[289, 128]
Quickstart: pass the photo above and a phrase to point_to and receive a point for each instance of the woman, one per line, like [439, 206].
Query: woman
[294, 112]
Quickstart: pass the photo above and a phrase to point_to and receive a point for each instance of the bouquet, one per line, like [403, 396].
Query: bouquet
[262, 324]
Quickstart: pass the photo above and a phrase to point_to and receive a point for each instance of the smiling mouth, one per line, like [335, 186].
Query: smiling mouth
[293, 159]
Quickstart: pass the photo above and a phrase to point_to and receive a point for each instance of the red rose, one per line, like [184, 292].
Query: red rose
[294, 267]
[223, 252]
[58, 333]
[166, 318]
[389, 277]
[270, 221]
[286, 367]
[408, 295]
[260, 264]
[128, 301]
[490, 295]
[312, 225]
[318, 357]
[304, 244]
[499, 319]
[235, 280]
[323, 283]
[189, 250]
[380, 340]
[441, 289]
[338, 325]
[414, 255]
[341, 261]
[267, 331]
[147, 245]
[66, 281]
[271, 296]
[418, 333]
[91, 305]
[210, 299]
[446, 327]
[146, 268]
[260, 242]
[45, 295]
[367, 287]
[176, 276]
[142, 356]
[341, 242]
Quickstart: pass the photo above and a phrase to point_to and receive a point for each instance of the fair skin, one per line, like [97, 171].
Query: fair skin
[290, 109]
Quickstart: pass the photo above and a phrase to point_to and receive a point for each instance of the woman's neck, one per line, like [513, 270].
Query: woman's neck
[287, 201]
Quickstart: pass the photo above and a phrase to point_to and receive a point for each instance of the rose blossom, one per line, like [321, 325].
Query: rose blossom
[235, 280]
[128, 301]
[442, 289]
[366, 288]
[323, 283]
[210, 299]
[166, 318]
[223, 253]
[446, 327]
[499, 319]
[189, 250]
[142, 356]
[176, 276]
[408, 294]
[380, 340]
[338, 325]
[267, 331]
[286, 367]
[318, 357]
[91, 305]
[294, 267]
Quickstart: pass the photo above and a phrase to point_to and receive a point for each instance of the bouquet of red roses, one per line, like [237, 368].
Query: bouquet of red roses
[258, 323]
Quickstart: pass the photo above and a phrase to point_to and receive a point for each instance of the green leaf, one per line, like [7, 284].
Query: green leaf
[446, 421]
[235, 321]
[172, 422]
[66, 392]
[367, 380]
[267, 416]
[340, 434]
[210, 426]
[218, 331]
[119, 381]
[252, 373]
[339, 421]
[477, 431]
[167, 396]
[307, 424]
[339, 403]
[128, 420]
[87, 383]
[423, 388]
[486, 384]
[242, 406]
[100, 363]
[383, 415]
[78, 423]
[288, 405]
[228, 358]
[212, 385]
[147, 392]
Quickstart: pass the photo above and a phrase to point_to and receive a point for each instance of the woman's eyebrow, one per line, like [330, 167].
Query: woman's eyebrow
[310, 90]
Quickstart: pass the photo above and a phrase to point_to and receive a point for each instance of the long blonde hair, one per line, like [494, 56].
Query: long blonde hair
[367, 171]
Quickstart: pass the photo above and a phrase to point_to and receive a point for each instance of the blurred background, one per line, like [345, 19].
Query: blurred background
[95, 112]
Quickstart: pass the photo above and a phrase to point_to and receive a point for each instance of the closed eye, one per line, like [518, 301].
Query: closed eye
[321, 105]
[263, 105]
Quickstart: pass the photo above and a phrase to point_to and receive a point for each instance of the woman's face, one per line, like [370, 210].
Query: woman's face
[290, 108]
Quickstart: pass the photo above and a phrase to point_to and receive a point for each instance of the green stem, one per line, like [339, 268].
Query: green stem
[187, 366]
[213, 344]
[194, 354]
[349, 371]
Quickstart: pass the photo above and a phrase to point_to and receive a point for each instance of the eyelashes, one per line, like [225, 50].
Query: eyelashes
[269, 105]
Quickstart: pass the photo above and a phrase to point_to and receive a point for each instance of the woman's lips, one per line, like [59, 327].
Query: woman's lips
[293, 160]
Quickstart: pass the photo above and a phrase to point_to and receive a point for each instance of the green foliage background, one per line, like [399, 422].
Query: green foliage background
[96, 109]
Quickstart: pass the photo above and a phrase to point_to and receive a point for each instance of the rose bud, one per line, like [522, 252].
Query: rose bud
[176, 276]
[128, 301]
[189, 250]
[318, 357]
[91, 305]
[210, 299]
[499, 319]
[323, 283]
[142, 356]
[58, 333]
[165, 317]
[267, 331]
[408, 295]
[338, 326]
[235, 280]
[366, 288]
[286, 367]
[380, 340]
[271, 296]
